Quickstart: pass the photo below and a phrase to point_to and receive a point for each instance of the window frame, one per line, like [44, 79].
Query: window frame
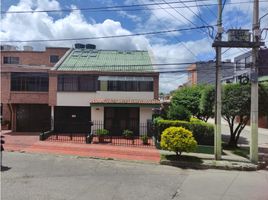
[9, 60]
[54, 56]
[29, 82]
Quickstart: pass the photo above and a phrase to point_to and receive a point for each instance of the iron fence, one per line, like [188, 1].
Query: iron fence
[142, 138]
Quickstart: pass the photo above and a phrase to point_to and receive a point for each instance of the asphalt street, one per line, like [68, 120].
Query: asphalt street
[49, 177]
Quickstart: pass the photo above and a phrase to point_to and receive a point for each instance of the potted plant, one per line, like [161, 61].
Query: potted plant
[145, 139]
[128, 134]
[101, 133]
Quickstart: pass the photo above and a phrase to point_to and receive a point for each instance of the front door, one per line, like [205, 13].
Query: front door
[116, 120]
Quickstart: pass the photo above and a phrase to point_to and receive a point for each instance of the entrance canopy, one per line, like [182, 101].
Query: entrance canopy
[125, 102]
[124, 78]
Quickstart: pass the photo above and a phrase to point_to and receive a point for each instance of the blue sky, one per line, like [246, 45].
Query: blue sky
[188, 46]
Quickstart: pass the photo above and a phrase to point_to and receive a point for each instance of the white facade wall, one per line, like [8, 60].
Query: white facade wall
[97, 116]
[83, 98]
[145, 114]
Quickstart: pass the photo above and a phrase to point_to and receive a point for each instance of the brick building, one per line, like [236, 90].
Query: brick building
[24, 86]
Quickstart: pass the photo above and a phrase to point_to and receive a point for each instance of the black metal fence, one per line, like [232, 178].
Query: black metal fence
[144, 137]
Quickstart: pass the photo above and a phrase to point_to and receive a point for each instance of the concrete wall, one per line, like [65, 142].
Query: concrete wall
[83, 98]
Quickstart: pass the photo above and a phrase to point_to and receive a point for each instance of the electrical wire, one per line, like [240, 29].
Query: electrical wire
[121, 7]
[110, 36]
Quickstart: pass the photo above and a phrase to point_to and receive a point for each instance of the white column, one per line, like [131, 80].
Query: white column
[52, 118]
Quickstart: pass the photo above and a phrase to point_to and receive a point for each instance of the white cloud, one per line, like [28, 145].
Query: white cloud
[42, 26]
[45, 26]
[178, 53]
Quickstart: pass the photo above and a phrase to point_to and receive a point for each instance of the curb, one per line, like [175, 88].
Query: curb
[222, 165]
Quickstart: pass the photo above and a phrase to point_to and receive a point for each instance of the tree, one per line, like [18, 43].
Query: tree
[178, 139]
[207, 102]
[189, 97]
[178, 112]
[236, 104]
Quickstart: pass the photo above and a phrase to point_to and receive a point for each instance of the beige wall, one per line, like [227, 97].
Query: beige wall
[83, 98]
[145, 114]
[97, 115]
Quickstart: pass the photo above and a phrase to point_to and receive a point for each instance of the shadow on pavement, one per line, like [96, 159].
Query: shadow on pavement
[4, 168]
[242, 140]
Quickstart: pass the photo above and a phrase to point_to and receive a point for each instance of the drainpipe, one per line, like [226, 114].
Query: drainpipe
[52, 118]
[11, 116]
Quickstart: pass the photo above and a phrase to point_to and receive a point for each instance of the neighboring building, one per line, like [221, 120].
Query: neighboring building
[205, 72]
[24, 86]
[116, 89]
[243, 63]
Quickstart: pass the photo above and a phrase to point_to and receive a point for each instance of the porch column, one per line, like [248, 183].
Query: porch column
[52, 118]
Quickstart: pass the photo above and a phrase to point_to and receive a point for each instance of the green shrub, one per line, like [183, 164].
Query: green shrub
[203, 132]
[128, 133]
[102, 132]
[193, 119]
[178, 112]
[178, 139]
[144, 139]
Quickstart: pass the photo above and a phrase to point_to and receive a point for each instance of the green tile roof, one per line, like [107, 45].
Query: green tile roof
[107, 60]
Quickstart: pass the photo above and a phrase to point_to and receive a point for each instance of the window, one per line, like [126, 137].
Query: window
[77, 83]
[11, 60]
[29, 82]
[54, 58]
[130, 85]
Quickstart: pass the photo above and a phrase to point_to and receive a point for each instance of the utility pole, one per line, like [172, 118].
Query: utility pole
[254, 114]
[217, 136]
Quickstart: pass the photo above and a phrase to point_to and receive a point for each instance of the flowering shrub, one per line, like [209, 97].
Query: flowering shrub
[178, 139]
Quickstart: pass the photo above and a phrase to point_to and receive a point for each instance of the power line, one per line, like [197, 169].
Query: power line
[110, 36]
[119, 8]
[176, 36]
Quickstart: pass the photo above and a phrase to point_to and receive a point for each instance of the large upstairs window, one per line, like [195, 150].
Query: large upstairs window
[83, 83]
[126, 83]
[11, 60]
[29, 82]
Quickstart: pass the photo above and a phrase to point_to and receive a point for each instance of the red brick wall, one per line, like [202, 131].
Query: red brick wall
[53, 84]
[156, 87]
[35, 57]
[29, 97]
[5, 87]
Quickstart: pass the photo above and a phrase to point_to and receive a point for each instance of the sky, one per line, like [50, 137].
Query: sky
[174, 47]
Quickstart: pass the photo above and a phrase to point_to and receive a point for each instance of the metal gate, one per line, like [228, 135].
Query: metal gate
[32, 117]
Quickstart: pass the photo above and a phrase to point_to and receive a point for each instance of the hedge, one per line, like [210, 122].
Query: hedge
[203, 132]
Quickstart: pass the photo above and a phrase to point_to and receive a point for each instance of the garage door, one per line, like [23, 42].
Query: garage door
[72, 119]
[32, 117]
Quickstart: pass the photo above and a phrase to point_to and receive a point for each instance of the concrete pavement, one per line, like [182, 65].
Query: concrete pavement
[42, 177]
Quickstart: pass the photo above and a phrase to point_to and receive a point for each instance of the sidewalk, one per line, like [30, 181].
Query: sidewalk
[29, 142]
[247, 128]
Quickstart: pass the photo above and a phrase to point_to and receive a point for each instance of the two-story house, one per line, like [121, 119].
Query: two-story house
[117, 89]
